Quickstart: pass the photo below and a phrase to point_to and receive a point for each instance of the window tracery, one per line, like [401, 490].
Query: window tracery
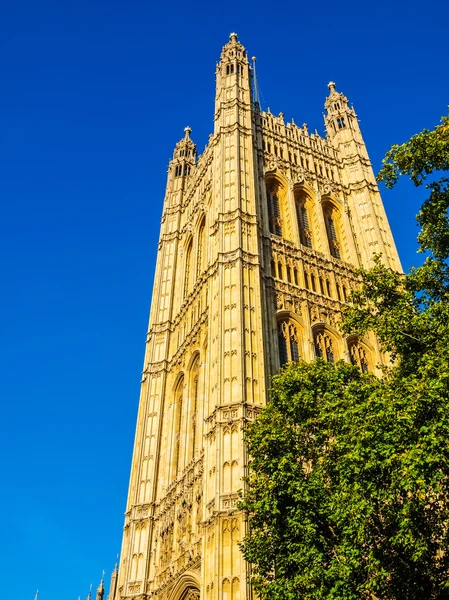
[358, 356]
[274, 208]
[288, 342]
[324, 347]
[302, 217]
[330, 219]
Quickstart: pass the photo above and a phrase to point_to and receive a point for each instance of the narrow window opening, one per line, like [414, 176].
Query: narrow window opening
[274, 210]
[288, 342]
[324, 347]
[302, 217]
[187, 269]
[358, 357]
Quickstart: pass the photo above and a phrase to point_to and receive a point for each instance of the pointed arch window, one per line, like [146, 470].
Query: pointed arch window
[179, 397]
[358, 356]
[324, 347]
[302, 217]
[193, 416]
[187, 269]
[200, 252]
[274, 209]
[330, 219]
[288, 342]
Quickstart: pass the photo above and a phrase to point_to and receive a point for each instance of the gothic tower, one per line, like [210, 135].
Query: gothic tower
[259, 242]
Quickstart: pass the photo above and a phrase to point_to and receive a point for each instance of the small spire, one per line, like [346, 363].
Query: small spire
[37, 595]
[331, 86]
[90, 592]
[187, 131]
[233, 37]
[100, 588]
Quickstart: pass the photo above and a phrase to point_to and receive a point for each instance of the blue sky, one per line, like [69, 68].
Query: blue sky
[94, 97]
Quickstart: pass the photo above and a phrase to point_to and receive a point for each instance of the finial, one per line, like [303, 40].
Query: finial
[187, 131]
[37, 595]
[102, 577]
[233, 37]
[331, 86]
[254, 59]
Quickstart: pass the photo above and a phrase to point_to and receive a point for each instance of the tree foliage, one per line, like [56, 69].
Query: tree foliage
[347, 493]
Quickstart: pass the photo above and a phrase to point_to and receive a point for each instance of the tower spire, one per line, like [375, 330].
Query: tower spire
[233, 82]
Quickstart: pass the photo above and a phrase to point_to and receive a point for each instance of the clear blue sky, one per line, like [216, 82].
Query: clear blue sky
[94, 97]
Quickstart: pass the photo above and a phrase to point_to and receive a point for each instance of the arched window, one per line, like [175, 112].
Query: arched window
[200, 252]
[305, 234]
[330, 219]
[179, 397]
[274, 208]
[288, 342]
[306, 280]
[295, 274]
[187, 269]
[358, 356]
[321, 285]
[324, 347]
[194, 374]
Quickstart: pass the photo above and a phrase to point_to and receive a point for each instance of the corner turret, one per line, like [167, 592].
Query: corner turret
[184, 156]
[341, 121]
[233, 84]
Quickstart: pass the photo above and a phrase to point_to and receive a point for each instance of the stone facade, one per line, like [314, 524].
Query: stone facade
[260, 239]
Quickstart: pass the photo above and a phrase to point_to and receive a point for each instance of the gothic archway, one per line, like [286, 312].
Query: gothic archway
[186, 588]
[191, 593]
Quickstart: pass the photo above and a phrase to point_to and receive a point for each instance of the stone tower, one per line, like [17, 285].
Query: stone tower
[259, 242]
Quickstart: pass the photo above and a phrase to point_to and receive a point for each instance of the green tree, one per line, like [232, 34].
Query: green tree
[347, 493]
